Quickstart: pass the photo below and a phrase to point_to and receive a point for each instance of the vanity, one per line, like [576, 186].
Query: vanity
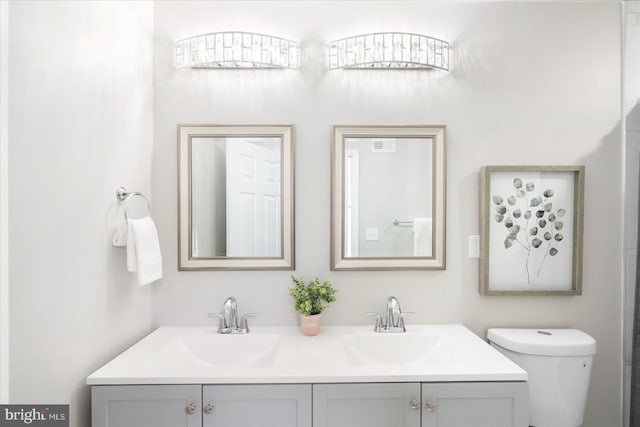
[348, 376]
[236, 213]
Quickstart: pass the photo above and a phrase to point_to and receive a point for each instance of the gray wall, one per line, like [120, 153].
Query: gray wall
[209, 190]
[80, 125]
[632, 155]
[530, 83]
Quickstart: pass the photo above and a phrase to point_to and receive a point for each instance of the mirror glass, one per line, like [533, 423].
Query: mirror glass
[388, 197]
[236, 197]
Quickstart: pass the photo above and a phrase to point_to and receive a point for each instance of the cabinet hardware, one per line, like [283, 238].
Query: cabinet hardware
[431, 407]
[190, 409]
[208, 409]
[415, 405]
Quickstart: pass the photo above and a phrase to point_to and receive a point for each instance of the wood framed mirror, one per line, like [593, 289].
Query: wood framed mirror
[388, 198]
[236, 197]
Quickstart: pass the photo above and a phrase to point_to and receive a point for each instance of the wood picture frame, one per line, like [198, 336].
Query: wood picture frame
[531, 230]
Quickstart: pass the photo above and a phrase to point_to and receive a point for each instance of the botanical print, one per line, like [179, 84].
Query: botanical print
[532, 221]
[531, 230]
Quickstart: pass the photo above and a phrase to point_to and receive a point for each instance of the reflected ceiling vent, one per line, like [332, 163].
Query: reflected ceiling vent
[389, 51]
[383, 146]
[237, 49]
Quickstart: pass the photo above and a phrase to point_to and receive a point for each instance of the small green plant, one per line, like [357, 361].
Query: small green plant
[313, 297]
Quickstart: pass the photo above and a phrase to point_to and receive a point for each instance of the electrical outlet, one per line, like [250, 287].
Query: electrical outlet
[371, 233]
[474, 246]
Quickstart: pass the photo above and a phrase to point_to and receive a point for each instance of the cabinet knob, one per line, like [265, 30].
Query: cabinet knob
[415, 405]
[190, 409]
[431, 407]
[208, 409]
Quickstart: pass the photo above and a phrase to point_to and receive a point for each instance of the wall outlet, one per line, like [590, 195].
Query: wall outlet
[371, 233]
[474, 246]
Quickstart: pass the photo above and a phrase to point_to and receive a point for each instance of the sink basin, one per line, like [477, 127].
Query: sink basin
[220, 350]
[283, 355]
[389, 348]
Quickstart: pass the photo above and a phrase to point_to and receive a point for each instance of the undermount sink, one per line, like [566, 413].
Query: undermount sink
[221, 350]
[389, 348]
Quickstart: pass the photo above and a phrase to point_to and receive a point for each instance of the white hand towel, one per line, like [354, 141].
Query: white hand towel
[422, 238]
[120, 236]
[143, 250]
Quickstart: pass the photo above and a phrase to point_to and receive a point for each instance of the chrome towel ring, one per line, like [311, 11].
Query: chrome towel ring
[124, 196]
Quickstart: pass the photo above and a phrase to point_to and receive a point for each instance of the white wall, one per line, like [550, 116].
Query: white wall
[530, 83]
[80, 104]
[4, 204]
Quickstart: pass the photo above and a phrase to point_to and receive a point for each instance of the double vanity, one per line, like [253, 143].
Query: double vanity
[390, 375]
[348, 376]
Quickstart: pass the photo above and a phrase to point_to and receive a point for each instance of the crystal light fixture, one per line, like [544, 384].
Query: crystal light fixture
[237, 49]
[389, 51]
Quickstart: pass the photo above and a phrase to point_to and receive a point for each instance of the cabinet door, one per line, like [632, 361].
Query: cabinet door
[366, 405]
[487, 404]
[146, 406]
[261, 405]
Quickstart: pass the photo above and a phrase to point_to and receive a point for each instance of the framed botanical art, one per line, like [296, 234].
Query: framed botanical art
[531, 236]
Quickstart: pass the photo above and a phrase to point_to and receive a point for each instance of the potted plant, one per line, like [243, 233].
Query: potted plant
[309, 301]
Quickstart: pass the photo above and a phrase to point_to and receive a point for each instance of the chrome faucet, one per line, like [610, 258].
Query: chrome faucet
[229, 318]
[395, 318]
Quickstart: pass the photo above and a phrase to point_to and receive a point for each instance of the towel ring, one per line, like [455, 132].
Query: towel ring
[123, 195]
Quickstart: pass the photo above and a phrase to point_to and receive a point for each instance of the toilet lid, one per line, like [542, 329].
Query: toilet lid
[544, 342]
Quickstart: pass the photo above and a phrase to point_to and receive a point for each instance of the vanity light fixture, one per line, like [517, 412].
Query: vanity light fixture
[391, 50]
[237, 49]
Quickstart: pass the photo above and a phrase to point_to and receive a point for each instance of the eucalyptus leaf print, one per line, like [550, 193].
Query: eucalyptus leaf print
[532, 223]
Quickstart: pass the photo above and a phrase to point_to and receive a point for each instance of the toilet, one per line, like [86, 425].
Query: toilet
[558, 364]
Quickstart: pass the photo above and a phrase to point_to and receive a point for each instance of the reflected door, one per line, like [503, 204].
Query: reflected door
[253, 199]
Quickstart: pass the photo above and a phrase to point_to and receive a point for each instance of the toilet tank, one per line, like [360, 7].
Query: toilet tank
[558, 364]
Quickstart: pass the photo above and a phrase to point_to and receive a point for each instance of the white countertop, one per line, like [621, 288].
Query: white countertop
[448, 353]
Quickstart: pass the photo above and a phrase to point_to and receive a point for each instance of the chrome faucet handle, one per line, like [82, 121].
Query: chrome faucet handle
[223, 327]
[378, 326]
[402, 325]
[244, 324]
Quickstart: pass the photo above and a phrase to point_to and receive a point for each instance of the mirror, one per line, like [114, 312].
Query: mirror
[388, 197]
[236, 197]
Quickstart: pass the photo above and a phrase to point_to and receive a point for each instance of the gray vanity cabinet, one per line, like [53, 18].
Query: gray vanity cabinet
[486, 404]
[461, 404]
[146, 406]
[366, 405]
[261, 405]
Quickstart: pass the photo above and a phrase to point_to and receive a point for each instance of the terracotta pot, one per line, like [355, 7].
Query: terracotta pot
[310, 325]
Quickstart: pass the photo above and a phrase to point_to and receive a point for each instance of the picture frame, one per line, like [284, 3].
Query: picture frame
[531, 220]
